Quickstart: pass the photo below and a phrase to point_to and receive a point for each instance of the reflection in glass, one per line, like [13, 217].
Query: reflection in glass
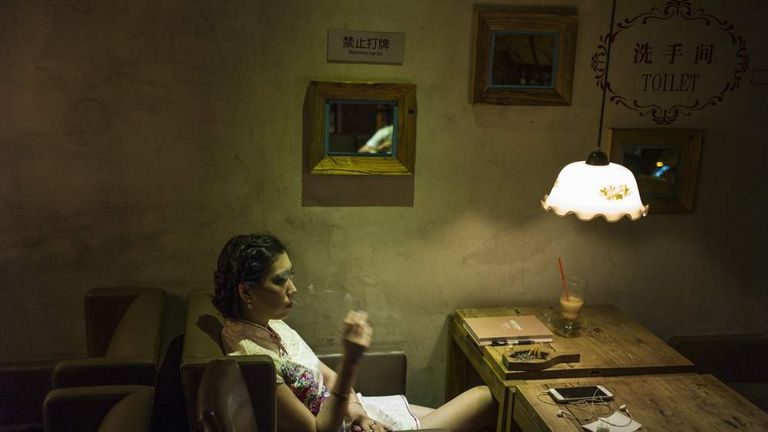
[360, 128]
[524, 59]
[655, 169]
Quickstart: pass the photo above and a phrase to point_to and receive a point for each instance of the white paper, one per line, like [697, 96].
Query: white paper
[617, 422]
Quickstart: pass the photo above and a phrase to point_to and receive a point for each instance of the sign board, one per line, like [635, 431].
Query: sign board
[677, 60]
[347, 46]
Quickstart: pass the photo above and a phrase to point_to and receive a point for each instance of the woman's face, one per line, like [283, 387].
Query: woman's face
[273, 299]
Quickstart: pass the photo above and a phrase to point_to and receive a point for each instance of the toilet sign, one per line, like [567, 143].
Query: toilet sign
[671, 61]
[346, 46]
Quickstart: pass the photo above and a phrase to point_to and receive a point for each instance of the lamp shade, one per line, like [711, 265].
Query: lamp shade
[589, 191]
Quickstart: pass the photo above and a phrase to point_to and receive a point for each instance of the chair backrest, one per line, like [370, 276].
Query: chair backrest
[223, 401]
[116, 319]
[381, 373]
[202, 344]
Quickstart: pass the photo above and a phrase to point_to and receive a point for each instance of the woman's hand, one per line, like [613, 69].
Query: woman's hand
[365, 424]
[356, 335]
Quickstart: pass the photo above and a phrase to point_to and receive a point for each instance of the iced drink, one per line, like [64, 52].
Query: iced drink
[570, 307]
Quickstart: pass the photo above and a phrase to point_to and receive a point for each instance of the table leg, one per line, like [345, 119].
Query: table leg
[457, 371]
[502, 420]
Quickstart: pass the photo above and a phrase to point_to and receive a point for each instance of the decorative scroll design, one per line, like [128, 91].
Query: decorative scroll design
[666, 115]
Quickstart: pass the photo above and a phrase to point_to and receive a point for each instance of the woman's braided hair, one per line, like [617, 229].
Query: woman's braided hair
[245, 258]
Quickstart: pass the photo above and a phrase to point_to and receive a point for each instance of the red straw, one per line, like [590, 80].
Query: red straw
[562, 278]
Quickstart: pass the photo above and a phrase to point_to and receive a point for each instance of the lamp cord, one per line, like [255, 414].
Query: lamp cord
[605, 79]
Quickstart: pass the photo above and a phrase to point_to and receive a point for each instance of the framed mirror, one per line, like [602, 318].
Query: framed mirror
[523, 58]
[665, 163]
[360, 128]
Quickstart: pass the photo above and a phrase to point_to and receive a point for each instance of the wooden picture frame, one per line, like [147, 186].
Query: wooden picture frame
[665, 163]
[319, 160]
[524, 58]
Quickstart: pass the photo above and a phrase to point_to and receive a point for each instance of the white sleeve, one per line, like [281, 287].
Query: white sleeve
[379, 136]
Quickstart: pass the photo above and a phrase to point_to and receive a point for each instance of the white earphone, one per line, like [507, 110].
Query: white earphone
[624, 409]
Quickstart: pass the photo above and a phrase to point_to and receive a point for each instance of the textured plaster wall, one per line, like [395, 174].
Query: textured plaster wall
[137, 136]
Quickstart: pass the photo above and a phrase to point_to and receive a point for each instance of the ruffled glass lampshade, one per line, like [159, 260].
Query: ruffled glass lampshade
[589, 191]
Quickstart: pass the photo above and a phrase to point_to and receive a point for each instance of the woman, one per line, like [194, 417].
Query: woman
[254, 292]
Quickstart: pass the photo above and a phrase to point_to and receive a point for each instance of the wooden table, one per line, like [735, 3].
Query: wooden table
[671, 402]
[610, 344]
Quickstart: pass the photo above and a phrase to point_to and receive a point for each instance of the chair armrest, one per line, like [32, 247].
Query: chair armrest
[202, 343]
[82, 409]
[137, 370]
[380, 374]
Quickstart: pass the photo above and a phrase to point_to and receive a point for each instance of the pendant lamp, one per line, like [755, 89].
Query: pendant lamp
[596, 187]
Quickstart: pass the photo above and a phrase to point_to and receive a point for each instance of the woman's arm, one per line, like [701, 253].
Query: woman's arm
[295, 417]
[355, 410]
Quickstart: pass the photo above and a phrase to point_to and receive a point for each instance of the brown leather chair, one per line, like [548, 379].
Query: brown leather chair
[202, 344]
[380, 373]
[123, 334]
[99, 408]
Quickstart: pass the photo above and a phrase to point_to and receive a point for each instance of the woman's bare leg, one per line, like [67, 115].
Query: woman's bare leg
[419, 411]
[469, 411]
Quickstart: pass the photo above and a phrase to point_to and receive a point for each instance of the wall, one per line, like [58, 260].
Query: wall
[137, 136]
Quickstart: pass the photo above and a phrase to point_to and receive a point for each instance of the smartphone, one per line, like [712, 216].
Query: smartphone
[570, 394]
